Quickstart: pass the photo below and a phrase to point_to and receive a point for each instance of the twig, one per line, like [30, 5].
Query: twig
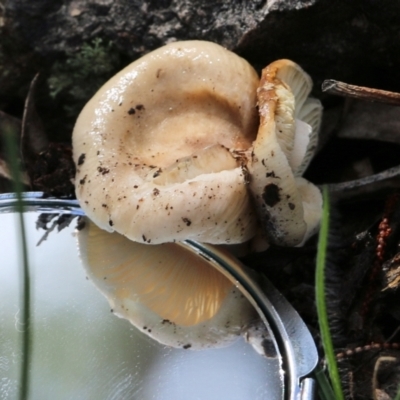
[360, 92]
[388, 179]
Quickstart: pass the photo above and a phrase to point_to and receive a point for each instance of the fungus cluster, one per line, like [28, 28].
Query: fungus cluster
[174, 147]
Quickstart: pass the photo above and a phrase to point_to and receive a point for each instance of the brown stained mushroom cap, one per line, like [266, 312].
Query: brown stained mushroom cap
[285, 143]
[159, 148]
[167, 292]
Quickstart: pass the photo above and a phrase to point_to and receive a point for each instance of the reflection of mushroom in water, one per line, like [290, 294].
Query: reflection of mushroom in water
[168, 150]
[166, 291]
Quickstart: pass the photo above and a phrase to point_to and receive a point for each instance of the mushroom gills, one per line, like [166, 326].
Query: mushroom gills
[169, 293]
[308, 124]
[294, 77]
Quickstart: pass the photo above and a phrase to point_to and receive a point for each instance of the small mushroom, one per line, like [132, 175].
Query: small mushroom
[166, 291]
[285, 144]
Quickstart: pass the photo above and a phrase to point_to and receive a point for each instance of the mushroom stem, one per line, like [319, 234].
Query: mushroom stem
[282, 150]
[278, 202]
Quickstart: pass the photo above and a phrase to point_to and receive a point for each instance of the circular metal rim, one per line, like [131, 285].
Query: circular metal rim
[298, 352]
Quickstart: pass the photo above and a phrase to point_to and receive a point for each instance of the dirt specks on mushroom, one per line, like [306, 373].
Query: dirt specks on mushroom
[81, 159]
[187, 221]
[271, 195]
[103, 171]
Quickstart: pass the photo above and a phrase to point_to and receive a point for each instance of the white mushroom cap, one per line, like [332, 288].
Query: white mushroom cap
[169, 293]
[159, 148]
[285, 143]
[163, 149]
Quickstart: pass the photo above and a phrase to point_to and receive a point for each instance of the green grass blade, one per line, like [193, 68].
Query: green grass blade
[320, 291]
[12, 152]
[324, 386]
[398, 394]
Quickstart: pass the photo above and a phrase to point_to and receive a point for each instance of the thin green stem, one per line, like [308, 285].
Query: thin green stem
[398, 393]
[321, 299]
[324, 386]
[12, 151]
